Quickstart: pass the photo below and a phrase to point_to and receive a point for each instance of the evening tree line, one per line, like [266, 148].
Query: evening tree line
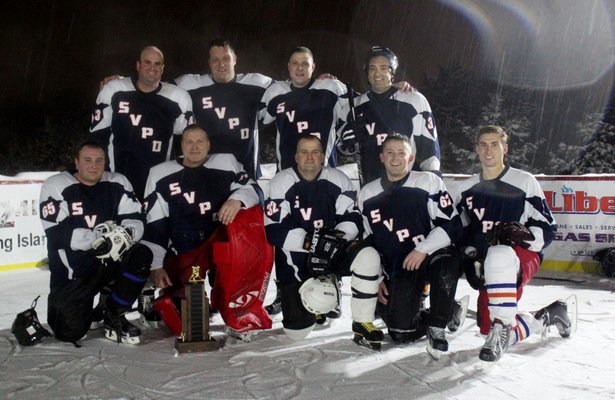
[42, 138]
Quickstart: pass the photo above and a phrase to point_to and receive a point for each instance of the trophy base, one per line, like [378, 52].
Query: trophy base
[194, 347]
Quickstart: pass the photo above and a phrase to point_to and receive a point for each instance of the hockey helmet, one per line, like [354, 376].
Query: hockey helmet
[606, 258]
[320, 295]
[378, 51]
[27, 328]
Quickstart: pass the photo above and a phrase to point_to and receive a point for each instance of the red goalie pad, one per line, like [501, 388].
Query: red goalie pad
[243, 260]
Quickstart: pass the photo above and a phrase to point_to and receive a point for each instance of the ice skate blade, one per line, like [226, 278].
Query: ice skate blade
[96, 325]
[360, 340]
[148, 323]
[245, 337]
[571, 304]
[434, 353]
[112, 335]
[488, 357]
[463, 303]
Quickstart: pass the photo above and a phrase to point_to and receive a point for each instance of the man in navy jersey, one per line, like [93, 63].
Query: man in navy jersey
[93, 220]
[304, 201]
[299, 106]
[135, 119]
[303, 105]
[187, 201]
[410, 224]
[383, 110]
[226, 105]
[507, 224]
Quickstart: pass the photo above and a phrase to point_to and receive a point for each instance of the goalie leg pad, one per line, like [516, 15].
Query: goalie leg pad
[179, 267]
[243, 260]
[169, 314]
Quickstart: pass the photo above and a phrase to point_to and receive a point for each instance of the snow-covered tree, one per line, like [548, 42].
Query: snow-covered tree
[598, 156]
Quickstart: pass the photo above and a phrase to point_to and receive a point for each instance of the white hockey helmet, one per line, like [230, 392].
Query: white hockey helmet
[320, 295]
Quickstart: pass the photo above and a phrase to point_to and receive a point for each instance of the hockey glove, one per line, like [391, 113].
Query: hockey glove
[510, 233]
[104, 227]
[324, 246]
[354, 132]
[112, 245]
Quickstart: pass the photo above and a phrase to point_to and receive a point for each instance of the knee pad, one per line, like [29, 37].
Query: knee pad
[366, 271]
[499, 258]
[366, 262]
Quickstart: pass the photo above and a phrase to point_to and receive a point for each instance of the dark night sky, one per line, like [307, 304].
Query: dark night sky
[57, 51]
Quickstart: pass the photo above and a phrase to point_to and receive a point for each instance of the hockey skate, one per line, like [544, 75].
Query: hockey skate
[367, 335]
[97, 317]
[276, 306]
[496, 342]
[321, 319]
[460, 309]
[148, 316]
[436, 342]
[117, 328]
[556, 314]
[335, 313]
[245, 337]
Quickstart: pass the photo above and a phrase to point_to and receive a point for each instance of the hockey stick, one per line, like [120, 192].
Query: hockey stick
[550, 278]
[352, 119]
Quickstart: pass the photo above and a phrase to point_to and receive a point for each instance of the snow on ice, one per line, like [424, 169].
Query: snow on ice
[325, 365]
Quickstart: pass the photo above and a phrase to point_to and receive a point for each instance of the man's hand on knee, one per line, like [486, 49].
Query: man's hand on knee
[160, 278]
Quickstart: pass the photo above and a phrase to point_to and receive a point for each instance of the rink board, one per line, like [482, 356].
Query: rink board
[583, 207]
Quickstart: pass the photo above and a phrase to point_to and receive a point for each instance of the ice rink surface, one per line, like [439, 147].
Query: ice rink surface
[327, 365]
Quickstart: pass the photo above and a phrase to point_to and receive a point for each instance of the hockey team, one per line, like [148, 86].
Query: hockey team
[168, 182]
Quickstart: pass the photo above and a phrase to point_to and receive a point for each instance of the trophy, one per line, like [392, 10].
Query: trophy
[195, 334]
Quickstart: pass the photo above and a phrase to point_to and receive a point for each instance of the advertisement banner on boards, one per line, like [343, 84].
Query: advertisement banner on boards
[22, 239]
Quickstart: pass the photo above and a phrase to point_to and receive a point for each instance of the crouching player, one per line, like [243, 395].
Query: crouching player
[194, 205]
[309, 217]
[507, 224]
[410, 223]
[93, 222]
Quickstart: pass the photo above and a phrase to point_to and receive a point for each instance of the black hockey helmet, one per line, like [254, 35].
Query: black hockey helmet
[606, 258]
[377, 51]
[27, 328]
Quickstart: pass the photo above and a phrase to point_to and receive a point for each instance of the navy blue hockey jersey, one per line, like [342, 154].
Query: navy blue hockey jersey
[408, 114]
[295, 207]
[70, 210]
[182, 203]
[313, 110]
[229, 113]
[414, 213]
[137, 128]
[515, 195]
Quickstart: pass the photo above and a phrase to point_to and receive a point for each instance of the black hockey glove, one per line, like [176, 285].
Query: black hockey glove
[510, 233]
[354, 132]
[324, 245]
